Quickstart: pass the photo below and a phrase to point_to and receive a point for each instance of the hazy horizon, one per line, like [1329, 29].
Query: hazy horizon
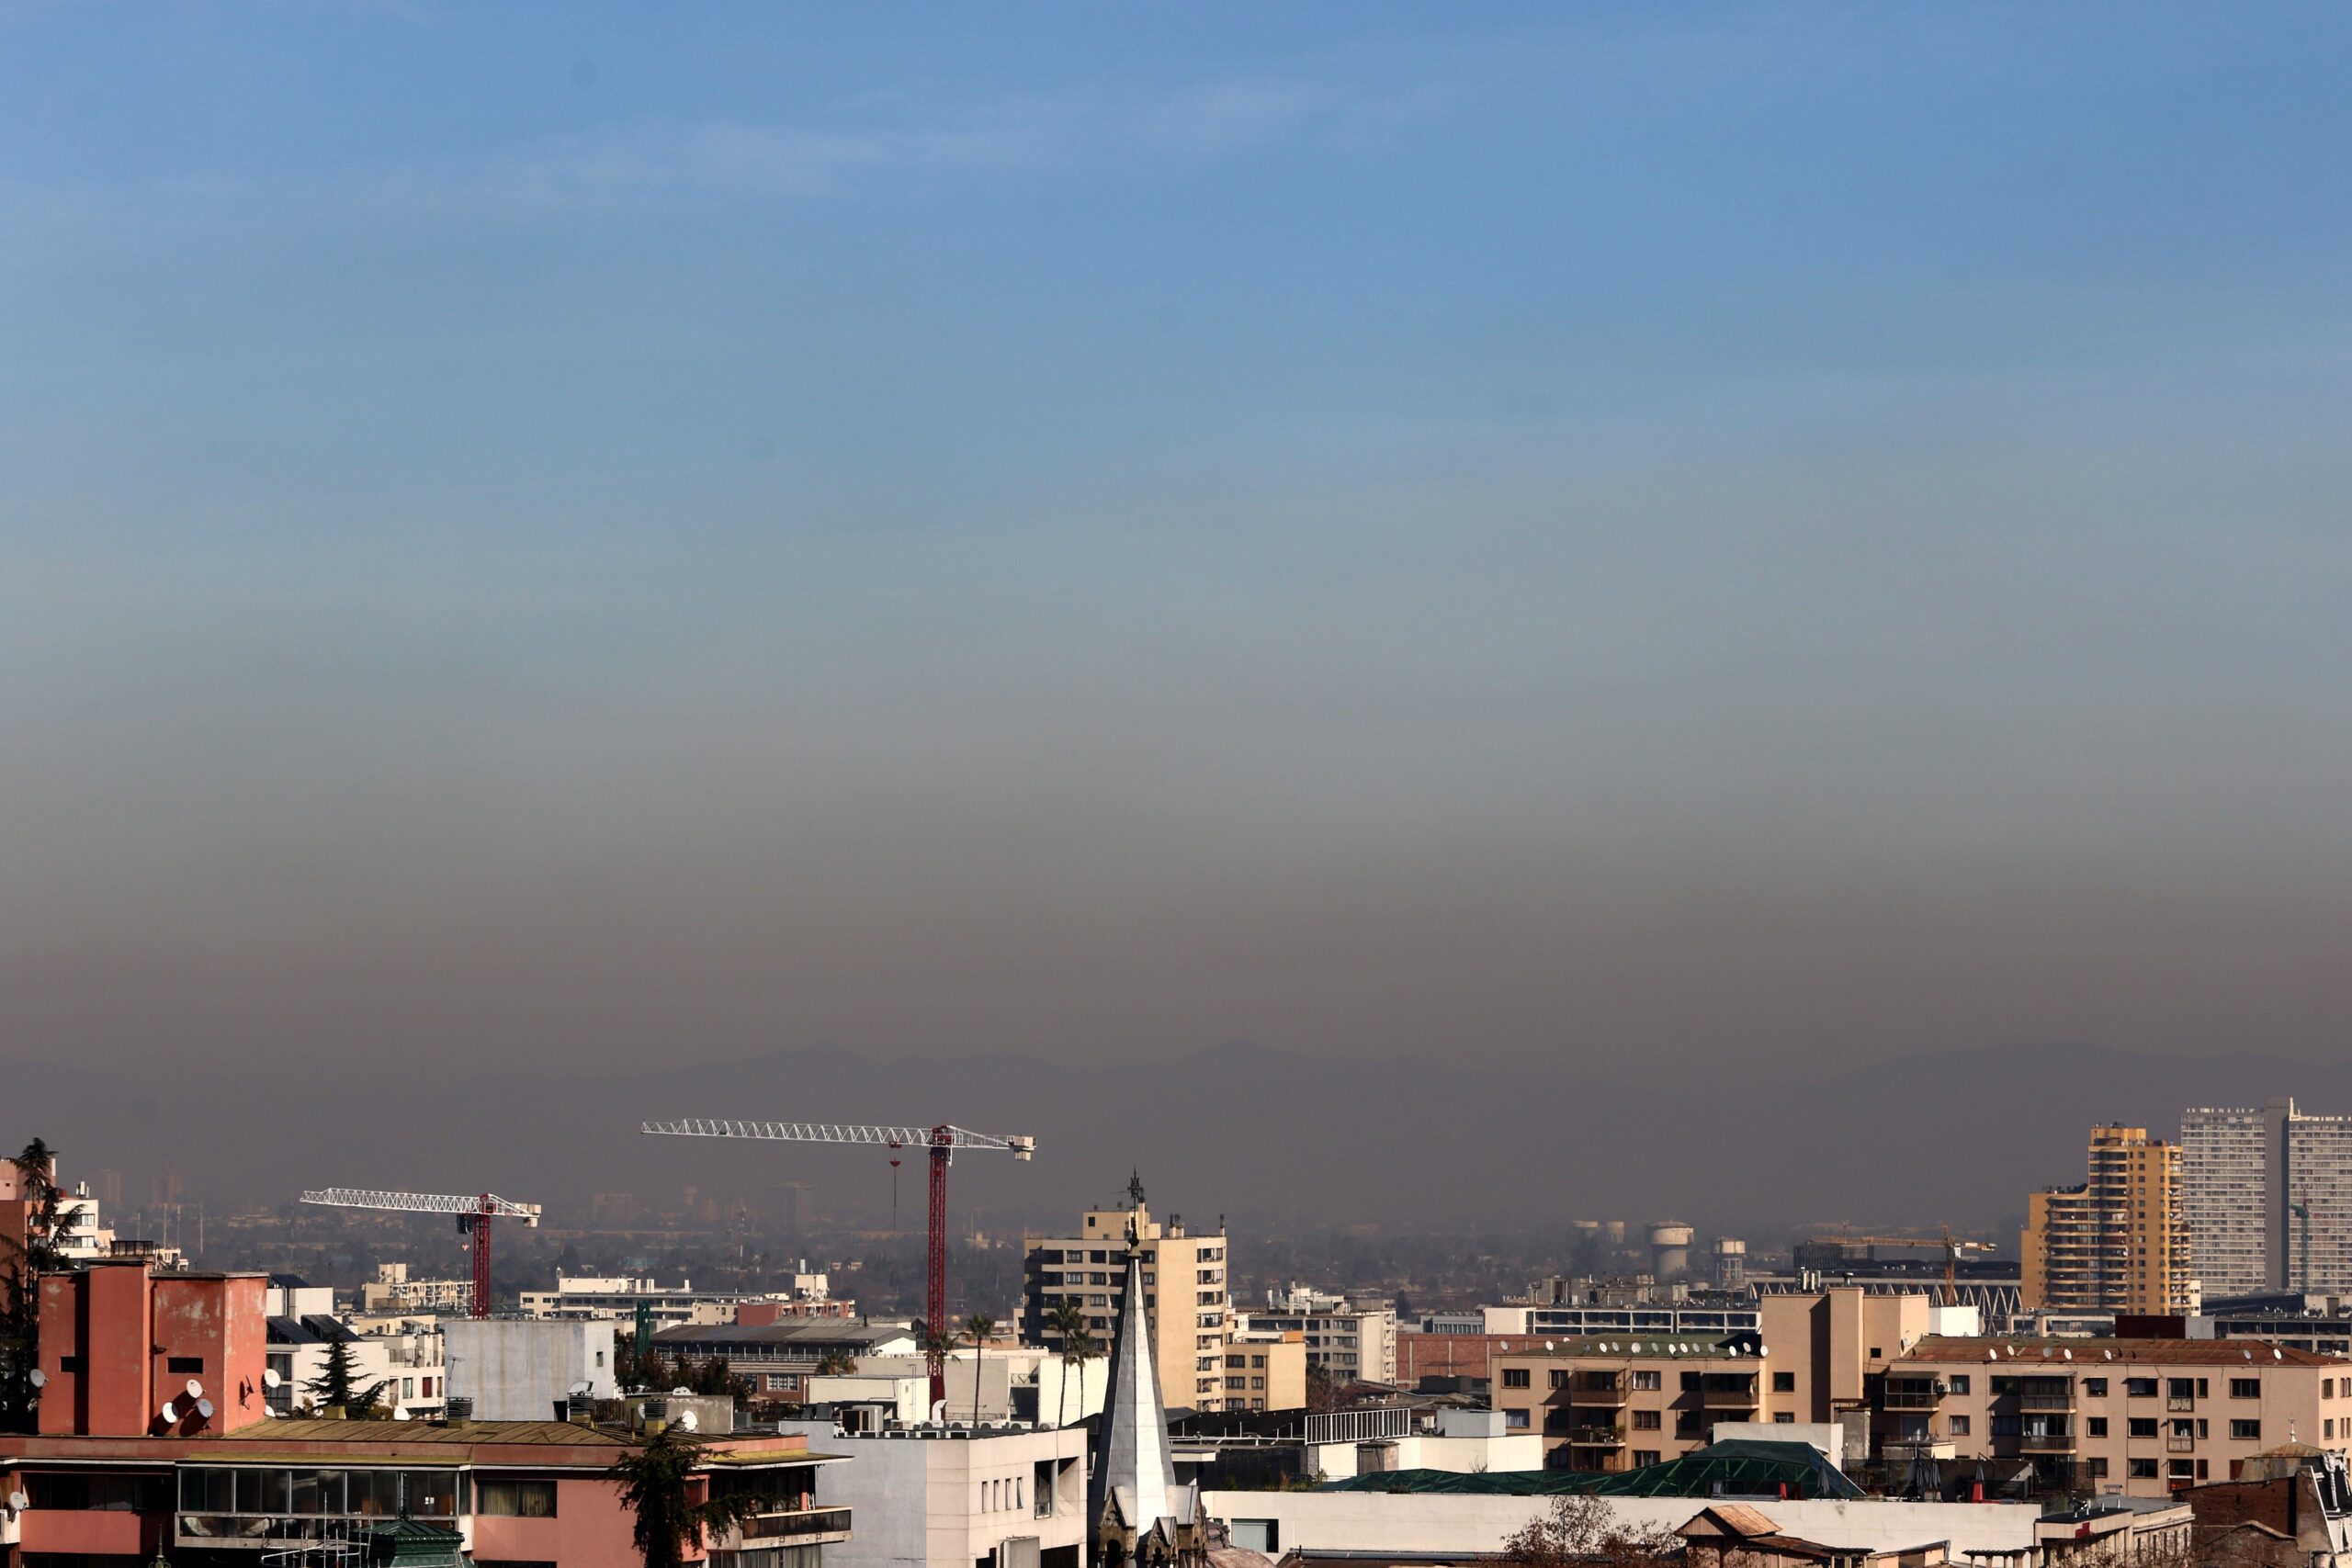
[551, 536]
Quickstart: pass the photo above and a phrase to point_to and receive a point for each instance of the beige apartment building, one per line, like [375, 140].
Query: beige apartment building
[1194, 1340]
[2142, 1416]
[1612, 1402]
[2118, 1242]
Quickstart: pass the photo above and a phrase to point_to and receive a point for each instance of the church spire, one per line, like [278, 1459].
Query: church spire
[1132, 1484]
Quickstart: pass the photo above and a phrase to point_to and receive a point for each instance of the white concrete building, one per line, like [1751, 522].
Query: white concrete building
[517, 1369]
[616, 1296]
[1027, 1383]
[1463, 1525]
[302, 1330]
[1466, 1442]
[937, 1496]
[1351, 1343]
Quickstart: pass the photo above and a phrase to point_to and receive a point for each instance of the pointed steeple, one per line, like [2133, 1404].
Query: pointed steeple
[1134, 1481]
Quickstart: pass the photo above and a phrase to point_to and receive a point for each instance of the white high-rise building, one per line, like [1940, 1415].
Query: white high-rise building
[2256, 1184]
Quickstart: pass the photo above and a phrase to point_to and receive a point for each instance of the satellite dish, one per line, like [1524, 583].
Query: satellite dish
[689, 1421]
[2107, 1355]
[195, 1389]
[402, 1414]
[2068, 1354]
[37, 1378]
[1991, 1354]
[1763, 1350]
[582, 1386]
[269, 1379]
[170, 1413]
[2277, 1354]
[1547, 1344]
[19, 1502]
[2247, 1354]
[268, 1413]
[204, 1408]
[681, 1390]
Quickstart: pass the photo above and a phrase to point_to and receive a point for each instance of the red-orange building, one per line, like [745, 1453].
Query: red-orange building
[508, 1492]
[129, 1352]
[155, 1436]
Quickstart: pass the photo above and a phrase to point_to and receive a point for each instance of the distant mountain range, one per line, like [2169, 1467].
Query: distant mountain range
[1262, 1135]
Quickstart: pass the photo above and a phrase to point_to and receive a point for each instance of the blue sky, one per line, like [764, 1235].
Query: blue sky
[1551, 532]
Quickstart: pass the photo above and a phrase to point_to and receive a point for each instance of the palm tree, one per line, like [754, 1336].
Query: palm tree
[48, 1225]
[837, 1363]
[936, 1345]
[978, 1327]
[1083, 1348]
[657, 1485]
[1067, 1321]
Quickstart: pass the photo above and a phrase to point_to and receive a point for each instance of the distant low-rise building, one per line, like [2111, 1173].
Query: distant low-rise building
[619, 1297]
[780, 1358]
[1351, 1343]
[391, 1291]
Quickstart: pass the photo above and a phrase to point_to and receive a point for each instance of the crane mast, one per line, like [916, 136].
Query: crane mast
[943, 1141]
[474, 1215]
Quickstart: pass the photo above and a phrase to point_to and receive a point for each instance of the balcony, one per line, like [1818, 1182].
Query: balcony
[2183, 1403]
[204, 1530]
[1728, 1394]
[801, 1527]
[1606, 1392]
[2064, 1400]
[2180, 1442]
[2045, 1442]
[1596, 1437]
[1916, 1395]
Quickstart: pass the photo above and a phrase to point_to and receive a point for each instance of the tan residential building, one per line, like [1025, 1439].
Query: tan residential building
[1266, 1371]
[1609, 1402]
[2119, 1242]
[1184, 1296]
[2144, 1416]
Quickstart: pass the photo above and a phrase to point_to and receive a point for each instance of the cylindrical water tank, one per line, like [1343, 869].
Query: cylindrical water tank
[1731, 1263]
[1669, 1250]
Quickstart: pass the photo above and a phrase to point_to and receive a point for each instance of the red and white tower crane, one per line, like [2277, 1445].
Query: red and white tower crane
[943, 1141]
[474, 1215]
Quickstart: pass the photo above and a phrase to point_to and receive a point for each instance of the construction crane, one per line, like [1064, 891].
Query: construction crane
[474, 1215]
[943, 1141]
[1951, 1246]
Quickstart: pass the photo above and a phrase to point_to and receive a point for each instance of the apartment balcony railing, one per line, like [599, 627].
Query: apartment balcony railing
[1596, 1437]
[2182, 1401]
[2180, 1442]
[2046, 1442]
[797, 1526]
[1610, 1393]
[2047, 1401]
[1737, 1396]
[1921, 1396]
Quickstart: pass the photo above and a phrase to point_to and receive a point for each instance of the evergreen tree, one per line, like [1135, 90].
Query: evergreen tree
[337, 1386]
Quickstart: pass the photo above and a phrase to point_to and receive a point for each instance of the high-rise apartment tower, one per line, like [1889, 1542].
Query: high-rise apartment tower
[2256, 1184]
[2118, 1242]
